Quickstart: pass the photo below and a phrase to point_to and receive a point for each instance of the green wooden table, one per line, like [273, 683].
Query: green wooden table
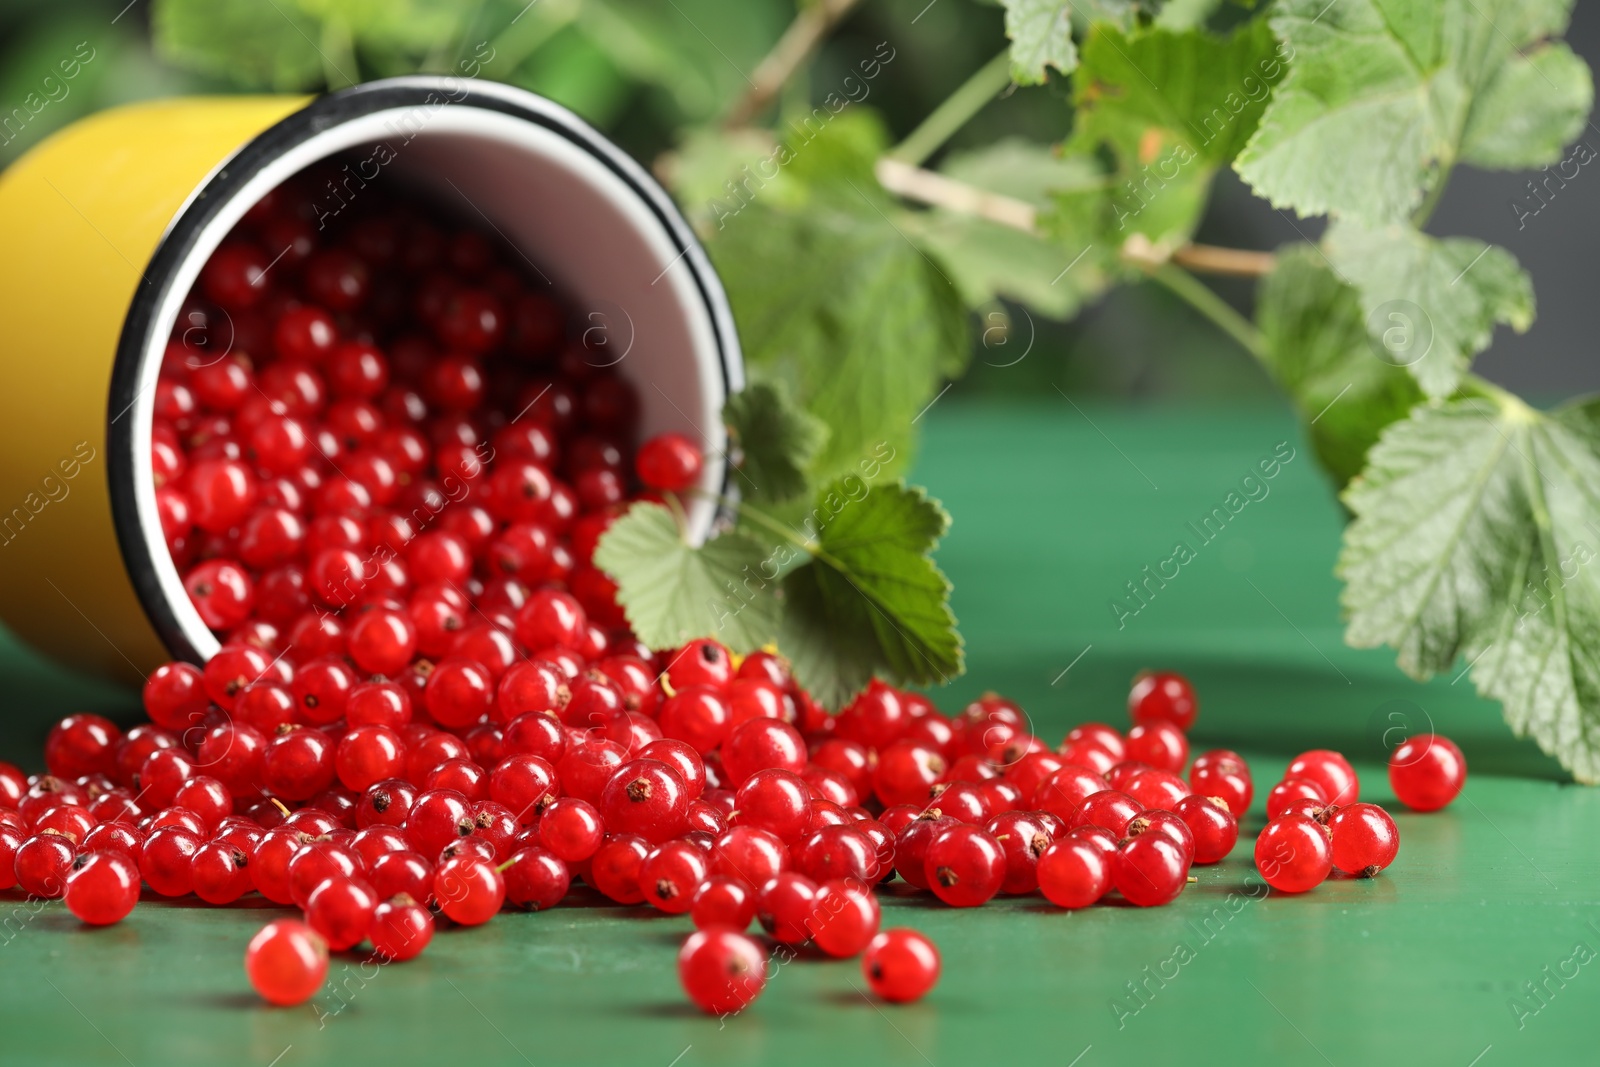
[1475, 948]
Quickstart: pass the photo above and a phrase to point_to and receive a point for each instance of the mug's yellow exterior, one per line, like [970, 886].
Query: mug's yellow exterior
[80, 216]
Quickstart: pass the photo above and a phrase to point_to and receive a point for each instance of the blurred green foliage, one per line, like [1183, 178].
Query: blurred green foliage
[647, 72]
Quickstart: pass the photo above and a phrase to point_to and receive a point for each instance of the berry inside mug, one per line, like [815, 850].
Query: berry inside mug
[450, 306]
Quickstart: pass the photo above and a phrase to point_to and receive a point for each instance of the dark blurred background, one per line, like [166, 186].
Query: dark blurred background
[1137, 343]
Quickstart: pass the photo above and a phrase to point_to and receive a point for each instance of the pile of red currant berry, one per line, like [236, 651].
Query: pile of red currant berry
[383, 483]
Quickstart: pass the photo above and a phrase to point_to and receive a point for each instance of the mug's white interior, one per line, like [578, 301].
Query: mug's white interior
[574, 218]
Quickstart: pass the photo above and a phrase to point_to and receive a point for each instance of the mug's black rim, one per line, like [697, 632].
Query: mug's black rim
[316, 118]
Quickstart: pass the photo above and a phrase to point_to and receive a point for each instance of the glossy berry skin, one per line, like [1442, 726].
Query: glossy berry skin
[844, 917]
[645, 797]
[571, 829]
[298, 764]
[1073, 873]
[1229, 781]
[438, 817]
[911, 845]
[286, 962]
[1290, 790]
[1063, 792]
[776, 801]
[1149, 870]
[698, 716]
[1156, 789]
[761, 744]
[1427, 772]
[905, 772]
[220, 872]
[1214, 828]
[368, 755]
[964, 866]
[721, 970]
[318, 862]
[102, 887]
[81, 745]
[401, 872]
[341, 910]
[668, 463]
[1023, 837]
[1365, 839]
[722, 901]
[1160, 744]
[785, 905]
[401, 928]
[469, 889]
[1163, 696]
[536, 879]
[1168, 825]
[671, 873]
[1331, 771]
[700, 662]
[165, 862]
[1109, 809]
[753, 855]
[1294, 854]
[901, 965]
[614, 871]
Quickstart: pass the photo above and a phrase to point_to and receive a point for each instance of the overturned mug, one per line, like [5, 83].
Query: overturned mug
[107, 224]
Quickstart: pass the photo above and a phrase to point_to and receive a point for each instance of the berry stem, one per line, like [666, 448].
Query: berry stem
[794, 48]
[960, 106]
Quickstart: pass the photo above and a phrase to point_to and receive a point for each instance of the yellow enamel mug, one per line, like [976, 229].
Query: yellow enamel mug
[105, 226]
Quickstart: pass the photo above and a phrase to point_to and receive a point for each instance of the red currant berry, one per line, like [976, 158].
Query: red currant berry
[700, 662]
[1427, 772]
[286, 962]
[1160, 744]
[571, 829]
[722, 901]
[1294, 854]
[616, 865]
[1331, 771]
[102, 887]
[1162, 696]
[166, 862]
[401, 928]
[668, 463]
[901, 965]
[1073, 873]
[722, 971]
[1365, 839]
[964, 865]
[1214, 828]
[1149, 870]
[1290, 790]
[761, 744]
[341, 910]
[844, 917]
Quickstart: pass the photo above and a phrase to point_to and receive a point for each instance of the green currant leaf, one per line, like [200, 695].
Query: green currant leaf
[1536, 105]
[673, 591]
[1475, 535]
[1343, 384]
[254, 45]
[987, 260]
[1041, 36]
[872, 602]
[1170, 109]
[833, 298]
[1383, 96]
[697, 55]
[775, 439]
[1451, 292]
